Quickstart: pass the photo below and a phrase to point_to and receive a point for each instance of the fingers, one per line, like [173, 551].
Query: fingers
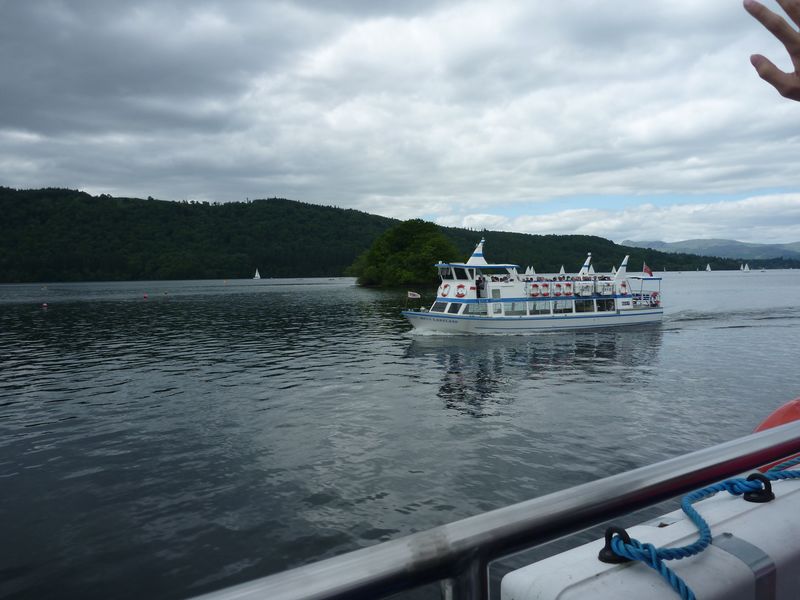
[787, 84]
[775, 23]
[791, 8]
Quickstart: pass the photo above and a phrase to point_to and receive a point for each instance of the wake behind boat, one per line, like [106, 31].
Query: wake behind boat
[479, 297]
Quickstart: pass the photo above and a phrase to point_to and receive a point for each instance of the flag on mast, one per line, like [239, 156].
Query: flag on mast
[646, 269]
[413, 295]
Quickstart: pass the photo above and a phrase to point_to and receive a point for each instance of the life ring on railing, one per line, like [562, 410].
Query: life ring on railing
[568, 289]
[545, 289]
[557, 289]
[654, 298]
[623, 288]
[445, 289]
[780, 416]
[461, 291]
[535, 290]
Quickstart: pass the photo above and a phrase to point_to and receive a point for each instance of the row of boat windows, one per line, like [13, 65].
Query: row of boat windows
[456, 273]
[540, 307]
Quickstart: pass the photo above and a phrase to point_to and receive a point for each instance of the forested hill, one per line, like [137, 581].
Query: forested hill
[66, 235]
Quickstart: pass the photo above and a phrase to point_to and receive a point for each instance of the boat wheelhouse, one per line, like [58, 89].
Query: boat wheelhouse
[480, 297]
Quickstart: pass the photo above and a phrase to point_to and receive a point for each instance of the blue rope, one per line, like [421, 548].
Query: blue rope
[654, 557]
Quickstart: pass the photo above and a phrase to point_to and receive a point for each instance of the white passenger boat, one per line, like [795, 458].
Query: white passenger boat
[480, 297]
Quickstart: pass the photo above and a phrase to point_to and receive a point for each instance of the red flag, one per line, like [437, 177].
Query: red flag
[646, 269]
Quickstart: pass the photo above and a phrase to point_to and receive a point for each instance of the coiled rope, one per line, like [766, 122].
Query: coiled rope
[654, 557]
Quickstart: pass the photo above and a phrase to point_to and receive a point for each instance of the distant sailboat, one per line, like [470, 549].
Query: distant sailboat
[708, 267]
[256, 276]
[746, 268]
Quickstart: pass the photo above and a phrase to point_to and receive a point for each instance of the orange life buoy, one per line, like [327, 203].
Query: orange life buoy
[785, 414]
[623, 287]
[568, 289]
[461, 291]
[545, 289]
[557, 291]
[535, 290]
[445, 289]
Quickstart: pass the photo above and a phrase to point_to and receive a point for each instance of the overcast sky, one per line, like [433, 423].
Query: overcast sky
[625, 119]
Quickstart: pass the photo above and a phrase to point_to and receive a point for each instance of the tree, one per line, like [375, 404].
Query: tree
[404, 254]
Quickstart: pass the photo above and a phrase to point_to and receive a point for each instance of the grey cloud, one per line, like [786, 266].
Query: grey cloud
[405, 108]
[100, 65]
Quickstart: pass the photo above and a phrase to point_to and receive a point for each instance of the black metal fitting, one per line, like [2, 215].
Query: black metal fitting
[763, 495]
[607, 555]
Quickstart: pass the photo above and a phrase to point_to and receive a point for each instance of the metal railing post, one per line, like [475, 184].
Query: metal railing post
[470, 584]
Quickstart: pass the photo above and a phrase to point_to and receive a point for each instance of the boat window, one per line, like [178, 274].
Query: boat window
[562, 306]
[454, 307]
[445, 273]
[605, 305]
[461, 273]
[438, 306]
[471, 273]
[582, 306]
[496, 294]
[476, 309]
[497, 308]
[540, 308]
[516, 308]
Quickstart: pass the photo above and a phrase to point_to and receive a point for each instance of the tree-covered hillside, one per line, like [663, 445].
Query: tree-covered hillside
[66, 235]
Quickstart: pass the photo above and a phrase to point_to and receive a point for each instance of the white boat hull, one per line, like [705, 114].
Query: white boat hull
[463, 324]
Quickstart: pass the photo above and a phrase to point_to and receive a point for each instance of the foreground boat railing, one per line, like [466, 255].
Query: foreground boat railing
[459, 553]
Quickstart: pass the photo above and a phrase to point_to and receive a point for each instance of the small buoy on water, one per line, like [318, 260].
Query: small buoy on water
[145, 296]
[44, 305]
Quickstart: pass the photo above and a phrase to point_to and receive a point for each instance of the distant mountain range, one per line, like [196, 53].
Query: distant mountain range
[724, 248]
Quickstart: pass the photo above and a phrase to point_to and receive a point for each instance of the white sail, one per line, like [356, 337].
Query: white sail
[256, 276]
[708, 267]
[746, 268]
[613, 270]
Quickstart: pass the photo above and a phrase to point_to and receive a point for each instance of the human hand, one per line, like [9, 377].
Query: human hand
[787, 84]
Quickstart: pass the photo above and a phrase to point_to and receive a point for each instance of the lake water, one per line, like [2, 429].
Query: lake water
[215, 432]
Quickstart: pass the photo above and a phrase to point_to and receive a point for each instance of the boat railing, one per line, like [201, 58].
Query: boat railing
[458, 554]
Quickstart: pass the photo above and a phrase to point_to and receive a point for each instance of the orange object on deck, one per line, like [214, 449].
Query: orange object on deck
[780, 416]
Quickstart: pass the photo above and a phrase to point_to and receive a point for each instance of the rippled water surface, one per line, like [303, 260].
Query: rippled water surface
[214, 432]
